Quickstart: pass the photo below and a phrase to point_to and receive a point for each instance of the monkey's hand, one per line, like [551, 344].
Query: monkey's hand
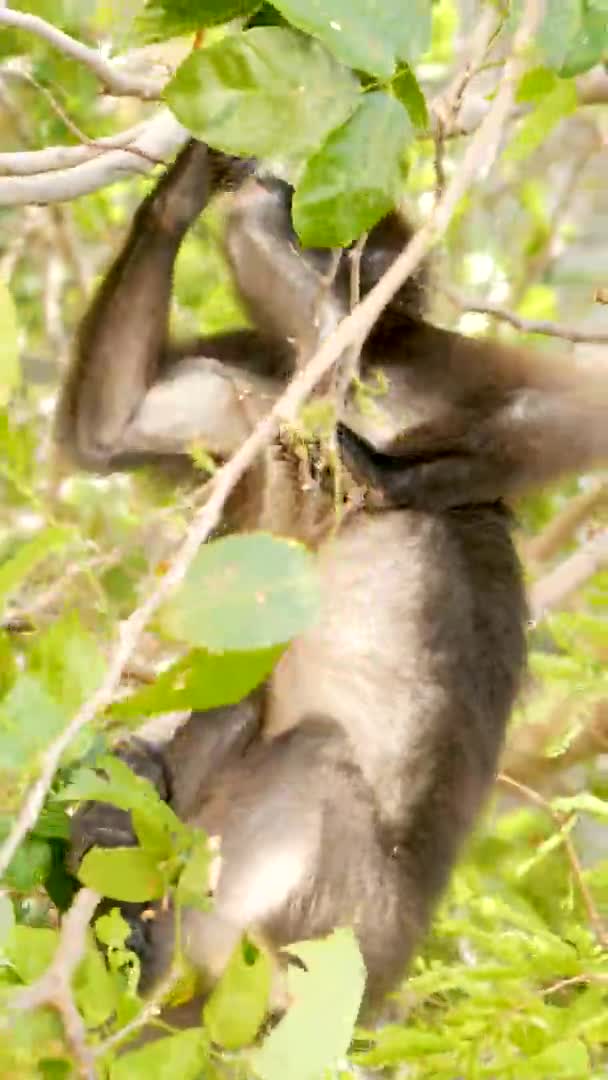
[433, 467]
[184, 190]
[97, 824]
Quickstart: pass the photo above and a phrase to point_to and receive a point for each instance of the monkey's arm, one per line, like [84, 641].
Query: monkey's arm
[128, 395]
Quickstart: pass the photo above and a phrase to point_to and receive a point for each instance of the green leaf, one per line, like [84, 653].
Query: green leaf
[121, 787]
[122, 874]
[112, 930]
[95, 991]
[406, 88]
[183, 1055]
[565, 1058]
[163, 19]
[536, 84]
[14, 570]
[66, 660]
[201, 680]
[193, 885]
[537, 126]
[30, 950]
[30, 865]
[238, 1005]
[326, 997]
[246, 592]
[583, 803]
[589, 46]
[574, 35]
[29, 720]
[10, 372]
[355, 178]
[365, 34]
[268, 91]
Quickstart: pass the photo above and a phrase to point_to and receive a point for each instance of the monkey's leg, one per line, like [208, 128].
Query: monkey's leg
[181, 772]
[301, 852]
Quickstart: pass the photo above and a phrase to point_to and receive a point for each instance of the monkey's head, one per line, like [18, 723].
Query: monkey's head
[260, 219]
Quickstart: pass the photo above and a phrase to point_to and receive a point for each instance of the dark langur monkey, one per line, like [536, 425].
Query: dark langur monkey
[342, 790]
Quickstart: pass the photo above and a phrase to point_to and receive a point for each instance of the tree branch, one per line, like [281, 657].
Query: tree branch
[560, 820]
[527, 326]
[553, 589]
[117, 82]
[155, 140]
[355, 327]
[54, 987]
[561, 528]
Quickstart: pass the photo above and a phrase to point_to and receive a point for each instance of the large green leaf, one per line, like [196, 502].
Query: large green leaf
[369, 35]
[268, 91]
[162, 19]
[29, 720]
[317, 1030]
[14, 571]
[246, 592]
[201, 680]
[574, 35]
[122, 874]
[236, 1009]
[180, 1056]
[354, 179]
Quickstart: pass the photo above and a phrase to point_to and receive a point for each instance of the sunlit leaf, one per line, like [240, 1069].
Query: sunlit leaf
[354, 179]
[267, 92]
[246, 592]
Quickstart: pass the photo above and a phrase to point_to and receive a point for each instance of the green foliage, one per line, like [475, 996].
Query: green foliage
[265, 92]
[355, 177]
[245, 592]
[512, 981]
[237, 1007]
[316, 1032]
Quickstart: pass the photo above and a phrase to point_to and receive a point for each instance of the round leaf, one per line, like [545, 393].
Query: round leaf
[246, 592]
[268, 91]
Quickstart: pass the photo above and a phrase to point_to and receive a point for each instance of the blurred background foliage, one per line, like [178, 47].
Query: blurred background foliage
[512, 982]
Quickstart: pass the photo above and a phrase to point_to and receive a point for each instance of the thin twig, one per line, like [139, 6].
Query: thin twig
[54, 988]
[526, 326]
[66, 119]
[534, 797]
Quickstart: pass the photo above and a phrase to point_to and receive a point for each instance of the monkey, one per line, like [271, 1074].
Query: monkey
[343, 788]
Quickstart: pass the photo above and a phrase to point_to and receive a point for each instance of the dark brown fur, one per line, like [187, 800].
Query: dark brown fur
[343, 790]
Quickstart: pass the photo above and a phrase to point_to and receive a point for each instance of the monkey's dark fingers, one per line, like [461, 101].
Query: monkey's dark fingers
[366, 464]
[184, 190]
[98, 825]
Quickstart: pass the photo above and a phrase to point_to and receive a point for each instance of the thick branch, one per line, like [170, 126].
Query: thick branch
[354, 328]
[119, 83]
[157, 139]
